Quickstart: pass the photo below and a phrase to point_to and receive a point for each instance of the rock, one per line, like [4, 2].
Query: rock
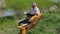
[2, 4]
[53, 8]
[2, 12]
[56, 1]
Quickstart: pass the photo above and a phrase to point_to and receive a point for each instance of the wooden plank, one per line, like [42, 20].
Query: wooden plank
[33, 19]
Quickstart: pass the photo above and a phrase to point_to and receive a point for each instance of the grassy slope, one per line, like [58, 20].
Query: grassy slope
[8, 26]
[26, 4]
[50, 24]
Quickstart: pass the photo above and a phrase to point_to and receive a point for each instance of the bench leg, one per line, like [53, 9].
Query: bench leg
[24, 31]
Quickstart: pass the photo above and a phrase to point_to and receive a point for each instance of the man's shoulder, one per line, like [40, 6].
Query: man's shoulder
[37, 8]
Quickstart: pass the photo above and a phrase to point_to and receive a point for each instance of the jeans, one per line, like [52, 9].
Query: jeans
[26, 20]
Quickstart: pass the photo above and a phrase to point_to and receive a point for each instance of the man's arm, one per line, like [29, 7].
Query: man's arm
[36, 11]
[25, 12]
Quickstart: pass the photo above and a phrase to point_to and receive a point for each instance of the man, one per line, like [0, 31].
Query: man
[34, 11]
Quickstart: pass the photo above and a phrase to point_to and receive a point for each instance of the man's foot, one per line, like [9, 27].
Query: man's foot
[20, 27]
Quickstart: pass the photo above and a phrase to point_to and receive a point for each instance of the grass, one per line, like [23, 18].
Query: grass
[8, 26]
[26, 4]
[50, 24]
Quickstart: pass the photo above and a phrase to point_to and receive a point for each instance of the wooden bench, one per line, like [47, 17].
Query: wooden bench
[34, 20]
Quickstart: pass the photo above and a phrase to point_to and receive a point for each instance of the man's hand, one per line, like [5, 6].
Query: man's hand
[25, 12]
[34, 23]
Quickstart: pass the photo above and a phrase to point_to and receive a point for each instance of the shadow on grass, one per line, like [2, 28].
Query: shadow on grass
[29, 33]
[58, 30]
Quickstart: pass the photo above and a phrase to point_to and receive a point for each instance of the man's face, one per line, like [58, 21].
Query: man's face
[33, 7]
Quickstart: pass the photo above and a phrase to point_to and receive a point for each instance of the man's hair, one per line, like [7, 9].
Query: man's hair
[34, 4]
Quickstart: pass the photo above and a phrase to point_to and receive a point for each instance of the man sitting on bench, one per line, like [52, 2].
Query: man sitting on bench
[34, 11]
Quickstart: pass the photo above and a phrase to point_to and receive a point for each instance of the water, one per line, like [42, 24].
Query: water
[7, 12]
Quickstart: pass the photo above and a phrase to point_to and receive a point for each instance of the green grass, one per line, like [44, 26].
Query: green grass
[26, 4]
[50, 24]
[8, 26]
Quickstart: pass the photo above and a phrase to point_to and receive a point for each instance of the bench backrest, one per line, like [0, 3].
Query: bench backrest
[35, 18]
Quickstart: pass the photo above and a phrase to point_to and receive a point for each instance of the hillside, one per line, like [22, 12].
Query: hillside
[49, 24]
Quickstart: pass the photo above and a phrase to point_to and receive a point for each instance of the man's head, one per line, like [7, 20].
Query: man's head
[34, 5]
